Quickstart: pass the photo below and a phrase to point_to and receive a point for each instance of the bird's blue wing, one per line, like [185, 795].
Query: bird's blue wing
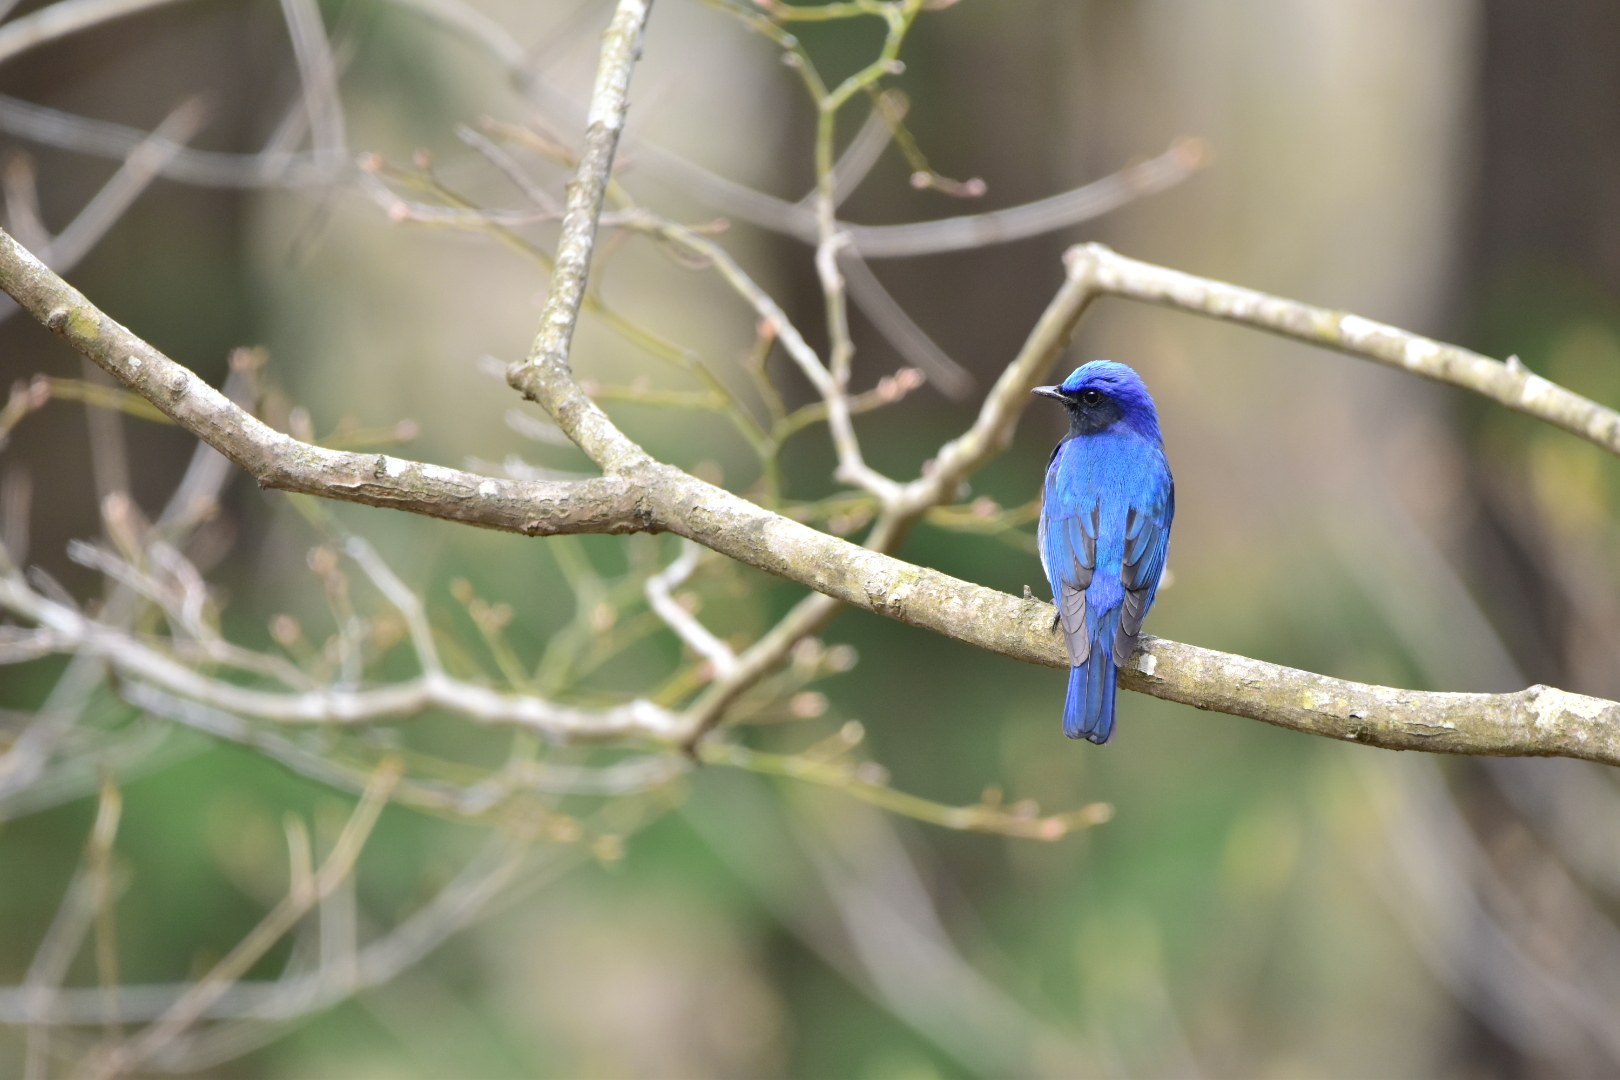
[1147, 544]
[1069, 551]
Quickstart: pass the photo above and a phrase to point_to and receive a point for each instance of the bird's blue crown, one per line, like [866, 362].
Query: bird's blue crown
[1123, 385]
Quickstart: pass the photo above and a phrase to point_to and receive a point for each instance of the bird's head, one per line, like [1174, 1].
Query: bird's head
[1104, 393]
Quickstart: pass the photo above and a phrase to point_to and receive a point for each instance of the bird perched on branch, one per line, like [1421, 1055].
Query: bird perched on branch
[1104, 531]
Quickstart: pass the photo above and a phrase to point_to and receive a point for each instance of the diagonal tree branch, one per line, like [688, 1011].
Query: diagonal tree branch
[1510, 384]
[277, 460]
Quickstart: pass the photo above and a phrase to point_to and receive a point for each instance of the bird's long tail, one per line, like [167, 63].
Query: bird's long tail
[1089, 711]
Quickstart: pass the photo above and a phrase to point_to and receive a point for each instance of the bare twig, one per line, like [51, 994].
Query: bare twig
[868, 785]
[683, 622]
[835, 398]
[400, 210]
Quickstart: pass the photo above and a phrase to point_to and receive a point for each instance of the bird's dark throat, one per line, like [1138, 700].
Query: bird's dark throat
[1092, 419]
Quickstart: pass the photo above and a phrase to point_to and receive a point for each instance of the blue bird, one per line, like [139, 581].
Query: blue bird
[1104, 531]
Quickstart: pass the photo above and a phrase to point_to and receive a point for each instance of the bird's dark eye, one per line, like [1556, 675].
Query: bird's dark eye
[1091, 397]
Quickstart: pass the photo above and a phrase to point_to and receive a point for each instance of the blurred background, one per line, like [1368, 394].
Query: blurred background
[1263, 904]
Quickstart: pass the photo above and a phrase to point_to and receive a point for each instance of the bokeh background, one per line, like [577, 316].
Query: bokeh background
[1262, 903]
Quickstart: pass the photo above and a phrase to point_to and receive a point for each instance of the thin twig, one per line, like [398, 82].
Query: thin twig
[100, 863]
[683, 622]
[334, 705]
[867, 785]
[544, 375]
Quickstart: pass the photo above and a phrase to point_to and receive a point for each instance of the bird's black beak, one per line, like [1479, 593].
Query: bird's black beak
[1054, 392]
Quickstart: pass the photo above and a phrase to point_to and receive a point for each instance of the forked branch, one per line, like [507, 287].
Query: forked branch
[655, 496]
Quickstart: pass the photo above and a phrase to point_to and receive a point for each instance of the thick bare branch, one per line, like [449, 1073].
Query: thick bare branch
[277, 460]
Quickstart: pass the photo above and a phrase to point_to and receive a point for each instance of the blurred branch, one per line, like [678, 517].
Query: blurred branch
[97, 395]
[141, 166]
[837, 876]
[25, 398]
[1554, 1000]
[275, 164]
[86, 897]
[909, 339]
[306, 892]
[63, 18]
[21, 183]
[317, 75]
[99, 857]
[868, 783]
[299, 993]
[864, 149]
[1061, 211]
[1184, 158]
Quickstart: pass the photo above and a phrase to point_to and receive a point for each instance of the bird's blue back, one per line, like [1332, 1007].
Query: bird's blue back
[1104, 533]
